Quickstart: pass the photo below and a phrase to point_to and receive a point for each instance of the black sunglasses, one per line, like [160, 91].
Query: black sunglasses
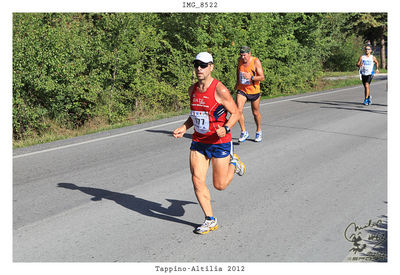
[202, 65]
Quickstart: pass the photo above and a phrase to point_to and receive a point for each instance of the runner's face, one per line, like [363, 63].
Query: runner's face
[201, 72]
[245, 57]
[367, 50]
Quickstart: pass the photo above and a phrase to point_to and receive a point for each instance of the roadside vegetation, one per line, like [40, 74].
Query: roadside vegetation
[56, 132]
[76, 73]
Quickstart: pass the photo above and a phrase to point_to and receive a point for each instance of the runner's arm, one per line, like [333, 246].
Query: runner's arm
[359, 62]
[377, 64]
[259, 71]
[180, 131]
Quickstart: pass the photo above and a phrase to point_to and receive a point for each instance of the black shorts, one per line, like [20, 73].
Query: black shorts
[366, 78]
[252, 97]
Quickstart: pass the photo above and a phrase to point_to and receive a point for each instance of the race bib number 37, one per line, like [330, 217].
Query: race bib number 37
[200, 121]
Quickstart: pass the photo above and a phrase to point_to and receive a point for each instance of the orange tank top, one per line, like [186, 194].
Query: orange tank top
[246, 85]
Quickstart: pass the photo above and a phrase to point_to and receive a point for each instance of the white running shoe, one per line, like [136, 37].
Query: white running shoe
[210, 224]
[258, 136]
[240, 168]
[243, 136]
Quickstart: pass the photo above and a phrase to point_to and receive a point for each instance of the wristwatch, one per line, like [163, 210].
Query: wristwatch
[227, 129]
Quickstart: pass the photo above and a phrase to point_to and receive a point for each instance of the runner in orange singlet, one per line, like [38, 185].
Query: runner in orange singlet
[210, 101]
[249, 75]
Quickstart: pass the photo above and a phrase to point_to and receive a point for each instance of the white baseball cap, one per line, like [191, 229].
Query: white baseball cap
[204, 57]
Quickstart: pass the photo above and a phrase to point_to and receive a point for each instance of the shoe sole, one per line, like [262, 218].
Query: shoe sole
[244, 169]
[244, 139]
[206, 232]
[241, 162]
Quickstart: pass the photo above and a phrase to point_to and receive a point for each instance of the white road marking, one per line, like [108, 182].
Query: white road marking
[169, 123]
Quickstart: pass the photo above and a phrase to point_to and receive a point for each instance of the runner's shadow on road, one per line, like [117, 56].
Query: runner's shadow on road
[186, 135]
[345, 105]
[235, 141]
[358, 109]
[339, 103]
[142, 206]
[239, 143]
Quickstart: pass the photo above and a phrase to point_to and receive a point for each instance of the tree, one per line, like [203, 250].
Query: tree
[373, 28]
[71, 68]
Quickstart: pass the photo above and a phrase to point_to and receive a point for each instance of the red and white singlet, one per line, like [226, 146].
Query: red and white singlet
[207, 114]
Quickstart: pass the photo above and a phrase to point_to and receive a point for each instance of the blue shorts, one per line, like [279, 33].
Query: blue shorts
[221, 150]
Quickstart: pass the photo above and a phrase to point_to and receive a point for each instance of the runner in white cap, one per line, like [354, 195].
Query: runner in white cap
[210, 101]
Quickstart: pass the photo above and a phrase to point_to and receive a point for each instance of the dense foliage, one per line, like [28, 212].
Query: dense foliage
[71, 67]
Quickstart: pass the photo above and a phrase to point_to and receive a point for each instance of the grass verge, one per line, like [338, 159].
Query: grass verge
[56, 132]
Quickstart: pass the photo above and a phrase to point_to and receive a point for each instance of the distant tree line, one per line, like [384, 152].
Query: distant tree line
[72, 67]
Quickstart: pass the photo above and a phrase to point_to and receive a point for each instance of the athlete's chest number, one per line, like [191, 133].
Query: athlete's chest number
[244, 80]
[200, 121]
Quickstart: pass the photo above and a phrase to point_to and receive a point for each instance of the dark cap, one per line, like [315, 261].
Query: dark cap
[244, 49]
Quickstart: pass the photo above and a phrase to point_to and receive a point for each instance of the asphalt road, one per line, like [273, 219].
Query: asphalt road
[318, 177]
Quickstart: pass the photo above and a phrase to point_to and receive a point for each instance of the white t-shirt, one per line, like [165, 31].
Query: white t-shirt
[368, 65]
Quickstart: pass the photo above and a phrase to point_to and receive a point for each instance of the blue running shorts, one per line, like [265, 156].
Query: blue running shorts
[221, 150]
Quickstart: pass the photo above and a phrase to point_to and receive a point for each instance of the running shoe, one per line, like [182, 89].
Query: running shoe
[366, 101]
[210, 224]
[240, 168]
[258, 136]
[369, 100]
[243, 136]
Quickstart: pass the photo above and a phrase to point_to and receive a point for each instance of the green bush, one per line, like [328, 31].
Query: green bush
[71, 67]
[344, 56]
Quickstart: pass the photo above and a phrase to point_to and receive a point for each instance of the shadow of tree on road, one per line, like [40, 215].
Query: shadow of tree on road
[142, 206]
[346, 105]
